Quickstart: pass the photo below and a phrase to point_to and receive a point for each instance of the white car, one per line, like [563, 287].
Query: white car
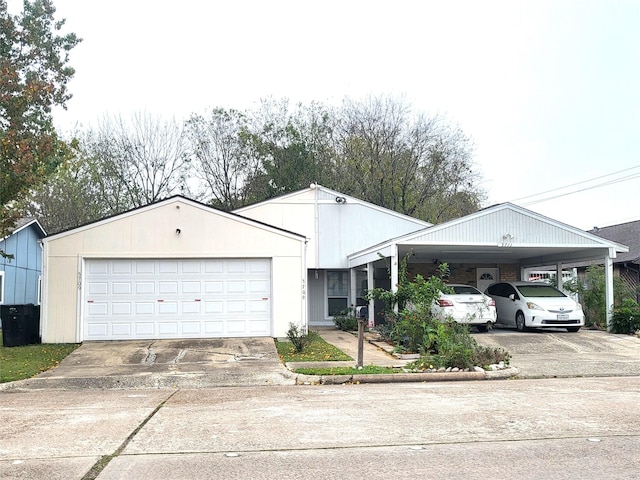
[535, 305]
[465, 304]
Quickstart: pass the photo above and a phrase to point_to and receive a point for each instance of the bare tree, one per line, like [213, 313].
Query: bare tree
[411, 163]
[138, 161]
[220, 158]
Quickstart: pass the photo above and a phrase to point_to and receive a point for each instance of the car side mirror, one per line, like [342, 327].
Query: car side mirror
[513, 297]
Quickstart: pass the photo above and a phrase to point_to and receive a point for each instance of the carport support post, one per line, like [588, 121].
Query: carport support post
[559, 275]
[608, 286]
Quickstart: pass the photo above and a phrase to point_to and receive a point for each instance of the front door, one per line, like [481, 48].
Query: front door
[485, 277]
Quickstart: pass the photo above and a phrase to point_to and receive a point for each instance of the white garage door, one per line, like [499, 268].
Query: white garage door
[174, 298]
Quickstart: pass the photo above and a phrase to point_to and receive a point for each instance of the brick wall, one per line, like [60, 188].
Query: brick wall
[465, 273]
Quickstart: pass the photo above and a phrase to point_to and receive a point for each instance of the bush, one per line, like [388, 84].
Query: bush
[299, 338]
[626, 317]
[592, 295]
[346, 320]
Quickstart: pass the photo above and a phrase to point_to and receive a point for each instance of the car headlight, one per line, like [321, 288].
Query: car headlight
[533, 306]
[578, 306]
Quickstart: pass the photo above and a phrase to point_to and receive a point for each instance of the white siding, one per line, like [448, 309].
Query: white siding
[495, 227]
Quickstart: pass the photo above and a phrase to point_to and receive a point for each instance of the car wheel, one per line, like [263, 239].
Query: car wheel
[520, 322]
[573, 329]
[482, 328]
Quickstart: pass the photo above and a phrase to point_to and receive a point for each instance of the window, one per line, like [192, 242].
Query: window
[337, 291]
[1, 287]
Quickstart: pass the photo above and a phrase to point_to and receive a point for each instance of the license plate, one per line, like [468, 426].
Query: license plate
[563, 317]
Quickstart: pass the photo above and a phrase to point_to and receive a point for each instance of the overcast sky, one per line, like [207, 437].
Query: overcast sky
[548, 90]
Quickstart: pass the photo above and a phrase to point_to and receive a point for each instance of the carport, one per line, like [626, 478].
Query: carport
[500, 243]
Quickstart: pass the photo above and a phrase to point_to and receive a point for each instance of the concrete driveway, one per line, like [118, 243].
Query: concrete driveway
[558, 353]
[167, 364]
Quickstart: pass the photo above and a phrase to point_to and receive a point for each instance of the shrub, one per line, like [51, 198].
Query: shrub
[487, 356]
[346, 320]
[626, 317]
[299, 338]
[592, 295]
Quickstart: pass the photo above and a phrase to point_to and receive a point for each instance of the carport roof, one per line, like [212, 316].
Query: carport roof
[503, 233]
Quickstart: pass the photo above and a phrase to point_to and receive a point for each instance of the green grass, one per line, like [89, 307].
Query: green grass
[367, 369]
[317, 351]
[18, 363]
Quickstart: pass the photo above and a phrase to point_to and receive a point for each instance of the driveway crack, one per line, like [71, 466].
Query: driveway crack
[150, 356]
[101, 464]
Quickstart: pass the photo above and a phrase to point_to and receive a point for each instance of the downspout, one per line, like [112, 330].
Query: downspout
[371, 286]
[394, 271]
[316, 226]
[44, 304]
[305, 287]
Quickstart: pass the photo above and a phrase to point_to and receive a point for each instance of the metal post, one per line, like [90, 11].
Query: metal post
[360, 341]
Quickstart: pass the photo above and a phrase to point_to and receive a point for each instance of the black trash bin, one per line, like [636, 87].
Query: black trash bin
[20, 324]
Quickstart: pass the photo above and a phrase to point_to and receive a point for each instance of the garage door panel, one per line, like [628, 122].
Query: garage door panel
[168, 267]
[98, 267]
[168, 328]
[121, 329]
[97, 330]
[191, 287]
[214, 287]
[121, 288]
[98, 288]
[168, 288]
[145, 329]
[147, 299]
[98, 308]
[259, 327]
[168, 308]
[191, 267]
[145, 308]
[123, 267]
[214, 307]
[259, 306]
[259, 287]
[145, 288]
[238, 287]
[192, 308]
[214, 328]
[121, 308]
[145, 267]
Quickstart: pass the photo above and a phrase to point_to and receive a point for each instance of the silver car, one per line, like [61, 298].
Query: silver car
[535, 305]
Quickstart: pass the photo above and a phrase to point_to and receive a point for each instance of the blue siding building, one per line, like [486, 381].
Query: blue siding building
[20, 273]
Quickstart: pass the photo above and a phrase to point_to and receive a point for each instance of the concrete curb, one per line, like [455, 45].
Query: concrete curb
[506, 373]
[151, 381]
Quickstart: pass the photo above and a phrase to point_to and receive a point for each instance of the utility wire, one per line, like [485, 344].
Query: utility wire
[604, 184]
[580, 183]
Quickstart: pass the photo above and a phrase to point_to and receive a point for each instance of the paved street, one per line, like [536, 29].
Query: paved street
[557, 428]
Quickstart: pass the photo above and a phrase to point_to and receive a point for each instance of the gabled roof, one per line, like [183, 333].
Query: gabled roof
[173, 199]
[626, 233]
[329, 195]
[23, 223]
[502, 232]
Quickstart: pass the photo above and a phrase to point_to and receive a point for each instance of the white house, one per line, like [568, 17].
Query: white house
[181, 269]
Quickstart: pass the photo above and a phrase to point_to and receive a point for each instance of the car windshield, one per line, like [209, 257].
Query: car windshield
[540, 291]
[465, 290]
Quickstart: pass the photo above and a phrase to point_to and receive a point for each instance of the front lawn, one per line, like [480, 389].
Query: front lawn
[316, 351]
[18, 363]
